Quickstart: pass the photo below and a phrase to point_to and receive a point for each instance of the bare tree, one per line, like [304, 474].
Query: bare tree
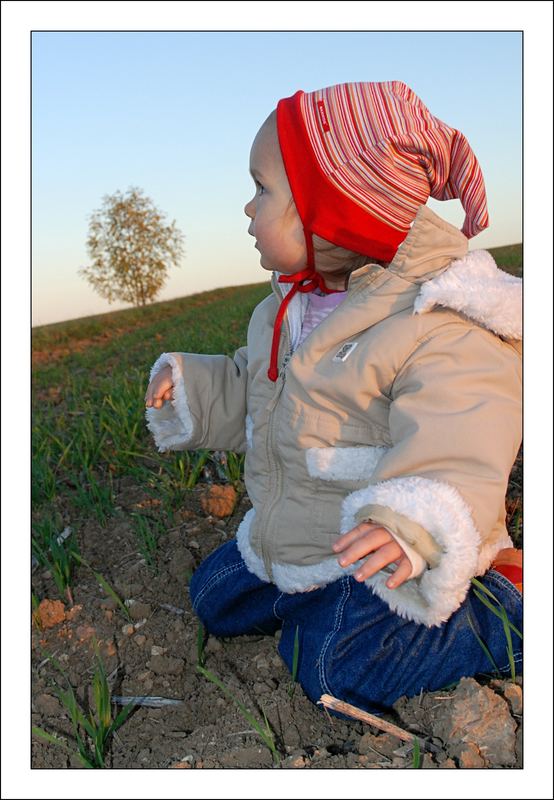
[131, 248]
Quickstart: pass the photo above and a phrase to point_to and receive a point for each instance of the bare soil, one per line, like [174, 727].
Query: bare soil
[158, 657]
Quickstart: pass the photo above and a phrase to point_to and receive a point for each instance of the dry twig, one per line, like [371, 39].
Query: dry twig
[328, 701]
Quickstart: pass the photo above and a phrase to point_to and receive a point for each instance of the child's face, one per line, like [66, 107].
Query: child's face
[274, 219]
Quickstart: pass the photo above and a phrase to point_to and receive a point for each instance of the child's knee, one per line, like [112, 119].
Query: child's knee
[229, 599]
[203, 604]
[195, 584]
[206, 593]
[214, 569]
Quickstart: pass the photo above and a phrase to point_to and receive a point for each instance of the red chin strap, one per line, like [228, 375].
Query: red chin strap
[314, 281]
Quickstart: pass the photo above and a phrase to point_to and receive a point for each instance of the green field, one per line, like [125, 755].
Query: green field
[88, 417]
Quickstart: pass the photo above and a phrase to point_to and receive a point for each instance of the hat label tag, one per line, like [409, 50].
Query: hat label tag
[345, 351]
[323, 115]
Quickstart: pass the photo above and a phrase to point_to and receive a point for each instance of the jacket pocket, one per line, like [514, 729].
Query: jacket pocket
[352, 453]
[343, 464]
[338, 471]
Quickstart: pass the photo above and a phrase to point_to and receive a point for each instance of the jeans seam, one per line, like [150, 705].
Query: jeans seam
[516, 660]
[336, 625]
[505, 584]
[274, 609]
[214, 579]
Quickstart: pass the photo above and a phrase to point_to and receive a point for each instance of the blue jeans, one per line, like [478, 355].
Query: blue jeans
[351, 645]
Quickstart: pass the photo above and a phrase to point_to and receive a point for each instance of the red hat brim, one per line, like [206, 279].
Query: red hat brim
[322, 207]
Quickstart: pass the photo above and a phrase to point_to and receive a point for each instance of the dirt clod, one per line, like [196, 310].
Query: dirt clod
[48, 705]
[140, 611]
[51, 613]
[247, 757]
[514, 696]
[478, 718]
[166, 665]
[219, 501]
[470, 757]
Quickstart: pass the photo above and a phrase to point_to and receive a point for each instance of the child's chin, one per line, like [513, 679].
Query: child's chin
[266, 264]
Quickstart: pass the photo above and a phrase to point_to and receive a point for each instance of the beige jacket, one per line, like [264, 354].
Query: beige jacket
[403, 406]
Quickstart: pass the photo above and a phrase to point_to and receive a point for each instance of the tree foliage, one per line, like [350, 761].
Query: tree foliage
[131, 247]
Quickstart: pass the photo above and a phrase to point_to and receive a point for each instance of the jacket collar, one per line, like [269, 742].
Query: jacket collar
[476, 287]
[435, 256]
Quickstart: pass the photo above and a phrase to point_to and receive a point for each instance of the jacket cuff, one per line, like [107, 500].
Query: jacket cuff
[406, 531]
[433, 517]
[171, 425]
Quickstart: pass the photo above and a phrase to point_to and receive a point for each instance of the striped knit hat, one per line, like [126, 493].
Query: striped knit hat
[362, 157]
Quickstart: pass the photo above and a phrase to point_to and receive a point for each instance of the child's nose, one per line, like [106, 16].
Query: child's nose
[249, 209]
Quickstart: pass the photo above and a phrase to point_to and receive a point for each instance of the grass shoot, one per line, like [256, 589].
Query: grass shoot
[110, 591]
[201, 639]
[92, 729]
[483, 593]
[147, 532]
[264, 730]
[417, 760]
[56, 555]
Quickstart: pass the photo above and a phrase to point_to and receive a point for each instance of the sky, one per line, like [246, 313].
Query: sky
[175, 113]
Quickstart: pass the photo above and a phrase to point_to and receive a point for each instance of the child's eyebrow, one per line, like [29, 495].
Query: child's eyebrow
[255, 173]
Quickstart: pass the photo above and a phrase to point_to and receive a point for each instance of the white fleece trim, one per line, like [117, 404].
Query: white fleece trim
[293, 578]
[429, 599]
[253, 562]
[289, 578]
[343, 463]
[475, 286]
[171, 425]
[249, 428]
[489, 552]
[439, 508]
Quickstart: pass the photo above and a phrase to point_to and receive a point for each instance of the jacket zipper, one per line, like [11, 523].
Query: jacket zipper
[265, 537]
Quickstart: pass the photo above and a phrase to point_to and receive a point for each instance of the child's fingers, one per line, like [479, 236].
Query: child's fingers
[351, 536]
[159, 401]
[367, 543]
[156, 402]
[385, 555]
[158, 386]
[401, 573]
[158, 391]
[162, 387]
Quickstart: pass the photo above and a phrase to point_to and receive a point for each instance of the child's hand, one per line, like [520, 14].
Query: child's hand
[366, 538]
[160, 388]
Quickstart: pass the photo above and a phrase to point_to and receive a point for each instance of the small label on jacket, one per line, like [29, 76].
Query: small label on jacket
[345, 351]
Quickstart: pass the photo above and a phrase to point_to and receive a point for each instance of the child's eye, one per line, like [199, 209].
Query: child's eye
[259, 185]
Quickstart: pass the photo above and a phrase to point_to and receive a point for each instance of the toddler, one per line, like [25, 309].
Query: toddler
[377, 400]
